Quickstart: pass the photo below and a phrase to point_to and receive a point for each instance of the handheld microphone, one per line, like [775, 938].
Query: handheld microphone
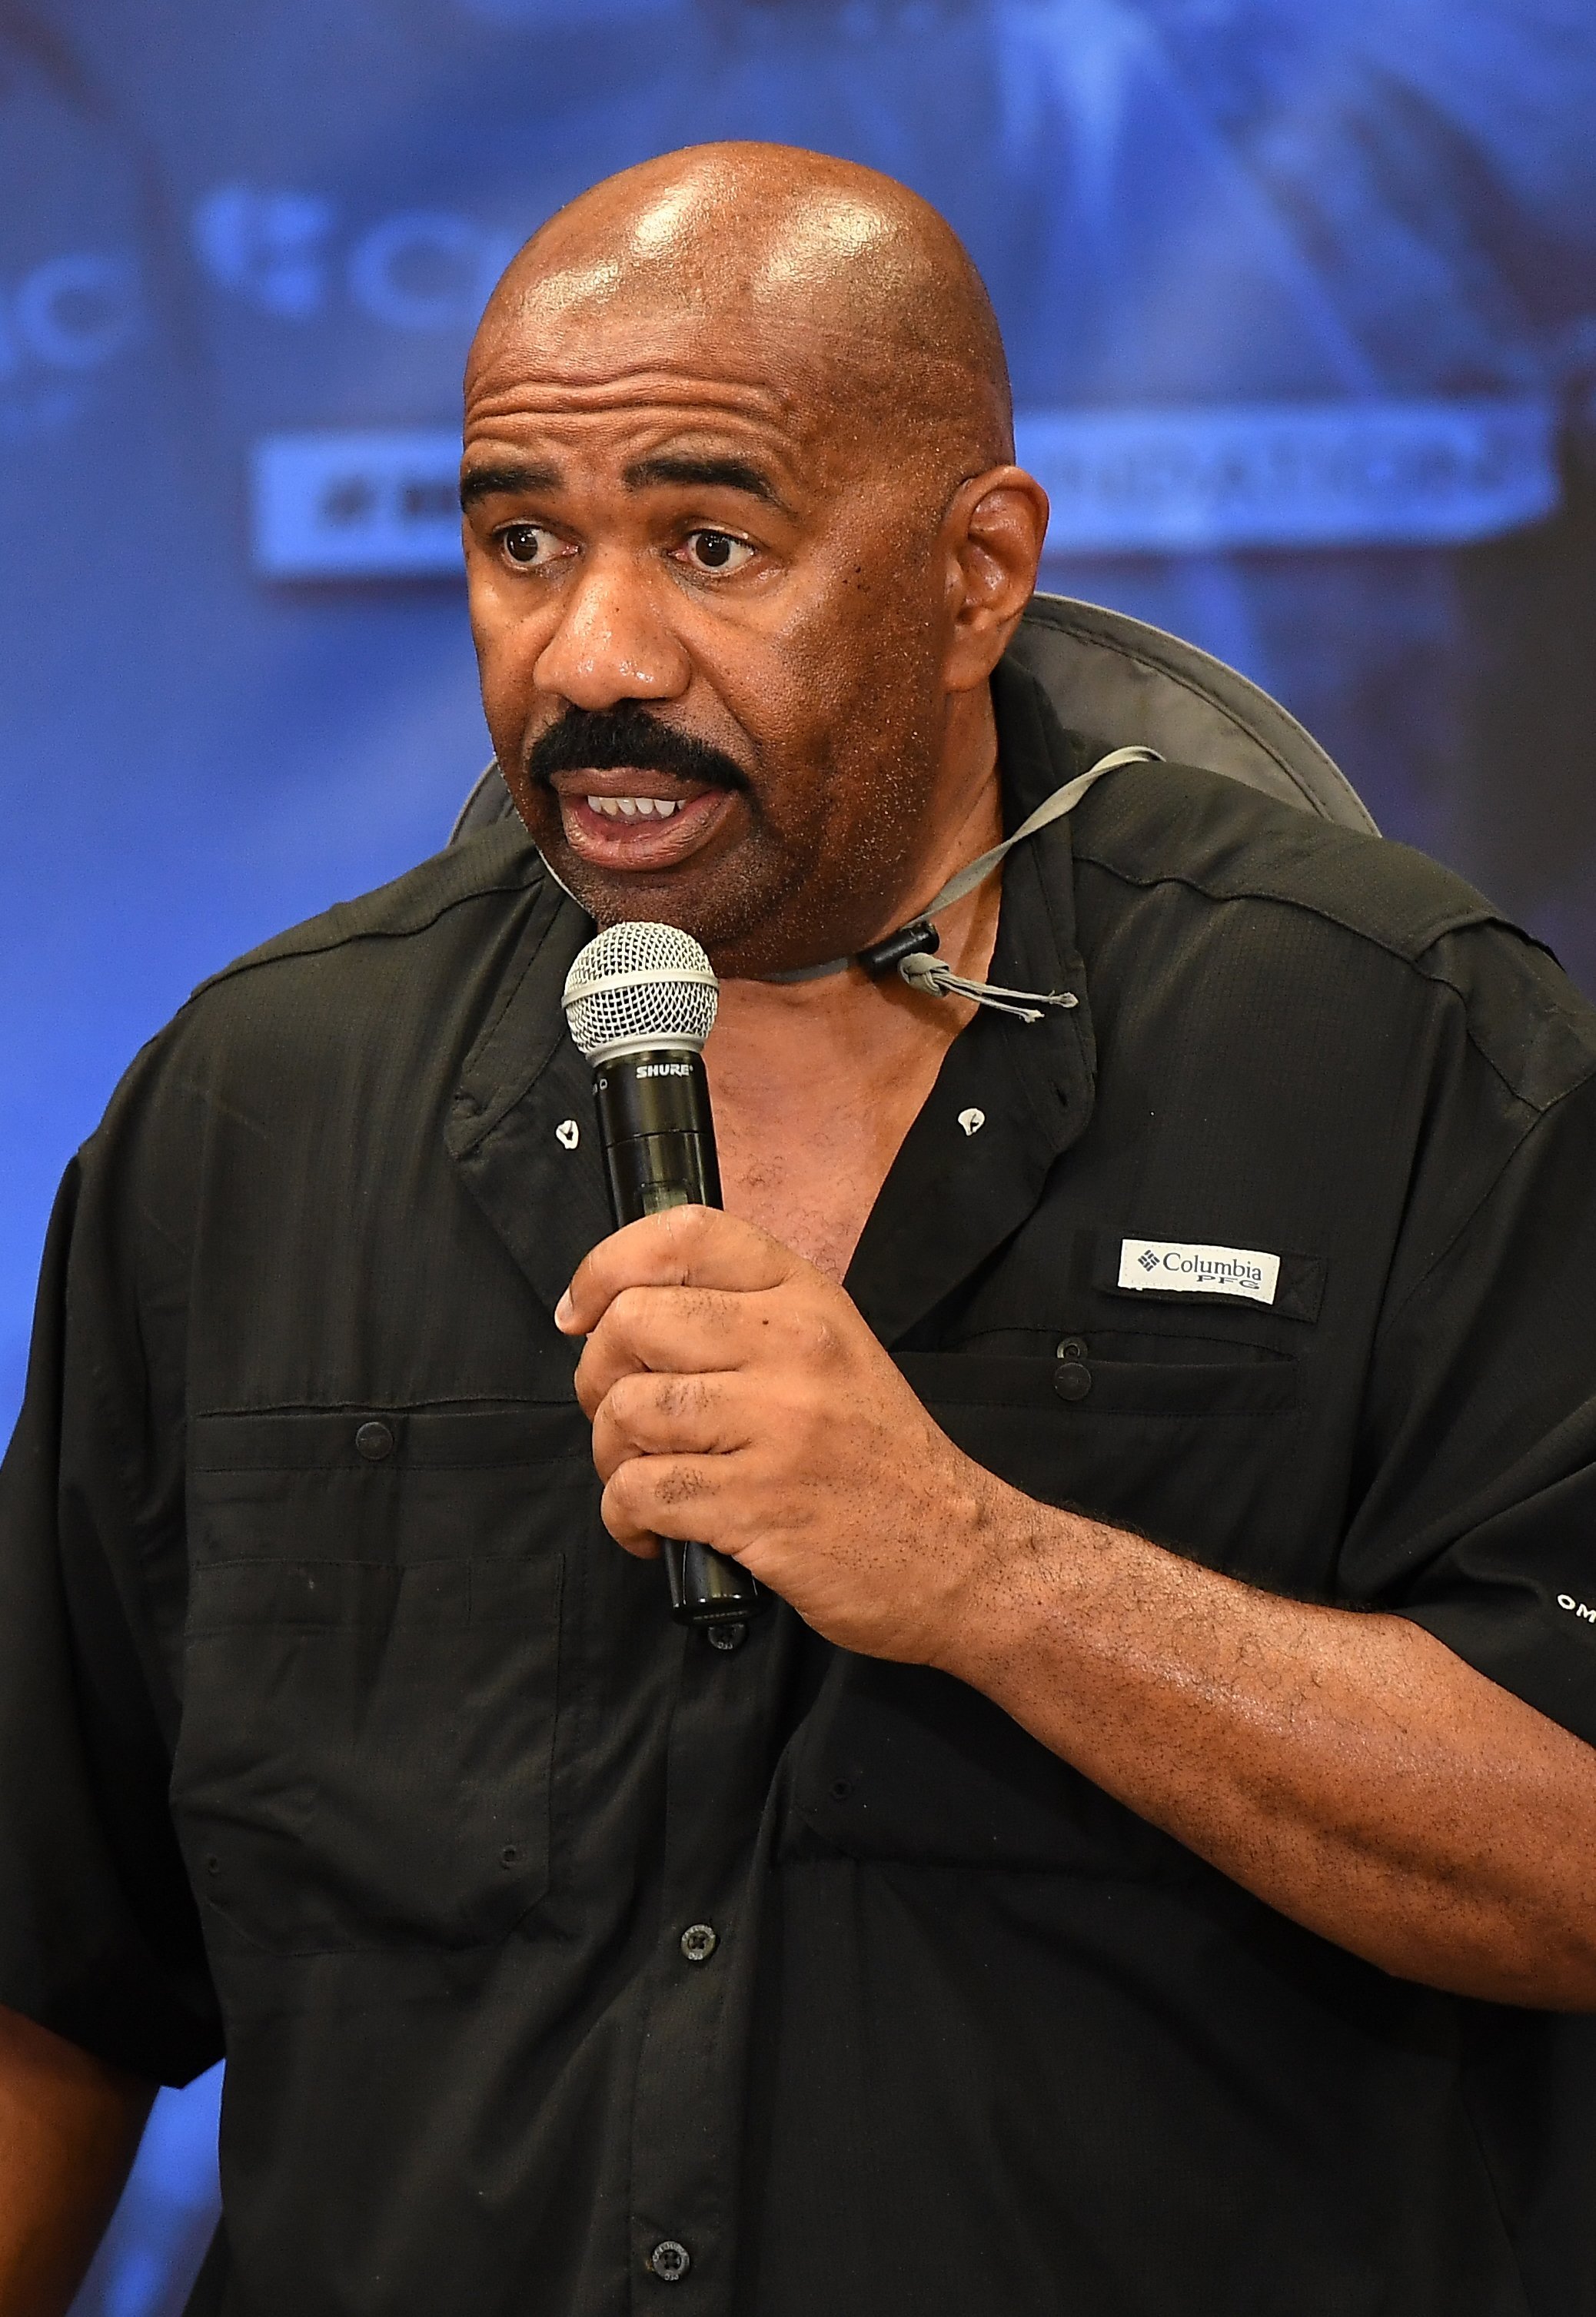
[640, 1001]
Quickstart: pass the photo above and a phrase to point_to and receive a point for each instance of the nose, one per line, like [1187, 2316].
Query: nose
[614, 641]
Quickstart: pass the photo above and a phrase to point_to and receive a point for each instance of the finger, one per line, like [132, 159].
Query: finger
[677, 1330]
[696, 1246]
[668, 1415]
[650, 1496]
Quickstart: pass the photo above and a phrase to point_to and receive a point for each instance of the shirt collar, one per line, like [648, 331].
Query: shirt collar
[522, 1129]
[952, 1197]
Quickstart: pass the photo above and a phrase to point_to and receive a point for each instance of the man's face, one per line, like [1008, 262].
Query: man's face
[710, 609]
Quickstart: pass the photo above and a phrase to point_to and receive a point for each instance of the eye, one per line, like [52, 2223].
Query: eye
[716, 550]
[528, 545]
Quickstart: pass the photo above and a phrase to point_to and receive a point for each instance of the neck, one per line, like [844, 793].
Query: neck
[968, 823]
[816, 1083]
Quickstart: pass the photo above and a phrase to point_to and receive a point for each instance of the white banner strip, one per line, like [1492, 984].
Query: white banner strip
[381, 505]
[358, 506]
[1332, 474]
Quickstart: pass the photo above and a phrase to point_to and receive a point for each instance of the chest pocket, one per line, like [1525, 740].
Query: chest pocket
[371, 1663]
[1185, 1439]
[1182, 1437]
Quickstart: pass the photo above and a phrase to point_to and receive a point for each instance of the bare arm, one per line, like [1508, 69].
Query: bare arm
[1346, 1768]
[69, 2128]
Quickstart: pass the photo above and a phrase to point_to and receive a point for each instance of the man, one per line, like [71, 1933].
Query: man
[1027, 1915]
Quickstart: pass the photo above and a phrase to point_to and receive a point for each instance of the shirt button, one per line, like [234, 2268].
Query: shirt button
[670, 2261]
[373, 1442]
[726, 1637]
[1071, 1380]
[699, 1941]
[1073, 1348]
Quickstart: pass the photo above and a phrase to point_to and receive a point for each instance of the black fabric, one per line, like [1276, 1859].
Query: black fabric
[299, 1522]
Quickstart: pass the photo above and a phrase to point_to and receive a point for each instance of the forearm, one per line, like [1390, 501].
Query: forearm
[1346, 1768]
[69, 2128]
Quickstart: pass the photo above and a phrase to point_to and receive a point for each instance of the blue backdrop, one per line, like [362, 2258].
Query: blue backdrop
[1301, 303]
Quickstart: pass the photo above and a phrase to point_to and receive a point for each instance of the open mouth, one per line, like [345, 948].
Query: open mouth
[626, 820]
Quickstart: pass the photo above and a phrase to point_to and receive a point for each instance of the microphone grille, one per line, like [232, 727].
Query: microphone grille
[636, 983]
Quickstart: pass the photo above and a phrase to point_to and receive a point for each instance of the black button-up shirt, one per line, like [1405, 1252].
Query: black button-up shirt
[565, 1963]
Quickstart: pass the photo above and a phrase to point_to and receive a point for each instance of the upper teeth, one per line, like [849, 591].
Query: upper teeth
[629, 808]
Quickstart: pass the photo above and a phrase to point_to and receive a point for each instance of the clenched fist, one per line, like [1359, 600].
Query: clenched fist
[736, 1397]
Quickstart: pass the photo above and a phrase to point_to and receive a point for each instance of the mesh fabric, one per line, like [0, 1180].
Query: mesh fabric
[635, 983]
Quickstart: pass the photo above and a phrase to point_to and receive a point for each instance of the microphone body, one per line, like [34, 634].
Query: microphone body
[658, 1137]
[658, 1131]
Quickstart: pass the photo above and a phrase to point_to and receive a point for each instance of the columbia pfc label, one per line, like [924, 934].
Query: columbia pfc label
[1180, 1267]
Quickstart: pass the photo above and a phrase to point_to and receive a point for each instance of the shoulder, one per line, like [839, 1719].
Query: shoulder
[367, 1004]
[374, 973]
[1300, 898]
[1173, 824]
[496, 868]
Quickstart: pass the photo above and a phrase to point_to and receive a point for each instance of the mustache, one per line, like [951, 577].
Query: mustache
[604, 739]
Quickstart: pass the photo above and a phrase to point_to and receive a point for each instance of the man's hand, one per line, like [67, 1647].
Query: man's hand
[736, 1397]
[1344, 1766]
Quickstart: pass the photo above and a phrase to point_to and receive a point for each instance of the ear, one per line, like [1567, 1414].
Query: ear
[993, 533]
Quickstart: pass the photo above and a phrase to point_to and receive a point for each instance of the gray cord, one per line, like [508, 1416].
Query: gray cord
[927, 973]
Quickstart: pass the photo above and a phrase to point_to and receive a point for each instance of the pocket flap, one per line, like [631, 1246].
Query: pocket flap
[1156, 1387]
[457, 1438]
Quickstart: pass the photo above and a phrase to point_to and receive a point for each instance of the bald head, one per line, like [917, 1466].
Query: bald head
[774, 246]
[744, 540]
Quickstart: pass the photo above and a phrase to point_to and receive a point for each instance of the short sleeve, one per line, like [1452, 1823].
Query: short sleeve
[1478, 1518]
[99, 1933]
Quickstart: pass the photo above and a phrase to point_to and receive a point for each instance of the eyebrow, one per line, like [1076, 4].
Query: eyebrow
[710, 472]
[495, 482]
[726, 474]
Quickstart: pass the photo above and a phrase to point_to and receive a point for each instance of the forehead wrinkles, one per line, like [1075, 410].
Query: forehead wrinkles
[716, 354]
[509, 389]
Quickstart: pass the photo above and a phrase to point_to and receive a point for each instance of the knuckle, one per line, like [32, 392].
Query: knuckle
[681, 1483]
[815, 1338]
[677, 1396]
[701, 1307]
[631, 1534]
[622, 1504]
[625, 1315]
[644, 1405]
[631, 1479]
[625, 1402]
[611, 1439]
